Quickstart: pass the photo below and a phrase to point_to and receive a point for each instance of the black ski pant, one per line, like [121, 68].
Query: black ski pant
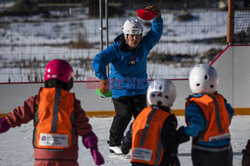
[222, 156]
[125, 108]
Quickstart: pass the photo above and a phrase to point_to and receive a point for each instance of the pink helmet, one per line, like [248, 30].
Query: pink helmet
[58, 69]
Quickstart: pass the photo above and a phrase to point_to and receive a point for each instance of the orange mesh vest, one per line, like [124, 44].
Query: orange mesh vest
[53, 119]
[217, 117]
[146, 129]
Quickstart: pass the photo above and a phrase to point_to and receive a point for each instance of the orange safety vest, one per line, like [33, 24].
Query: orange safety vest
[217, 117]
[53, 119]
[146, 145]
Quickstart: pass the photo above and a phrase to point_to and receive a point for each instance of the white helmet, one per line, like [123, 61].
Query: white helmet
[161, 92]
[132, 27]
[203, 78]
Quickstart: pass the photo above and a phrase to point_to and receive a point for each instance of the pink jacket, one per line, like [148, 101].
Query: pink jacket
[25, 113]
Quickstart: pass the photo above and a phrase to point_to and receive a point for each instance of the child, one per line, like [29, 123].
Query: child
[153, 134]
[58, 120]
[208, 116]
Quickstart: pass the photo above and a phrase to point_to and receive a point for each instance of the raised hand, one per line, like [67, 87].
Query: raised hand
[155, 9]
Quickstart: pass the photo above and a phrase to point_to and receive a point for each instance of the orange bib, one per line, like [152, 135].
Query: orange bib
[53, 119]
[217, 117]
[146, 129]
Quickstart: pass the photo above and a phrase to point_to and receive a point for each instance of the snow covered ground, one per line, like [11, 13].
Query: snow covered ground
[16, 144]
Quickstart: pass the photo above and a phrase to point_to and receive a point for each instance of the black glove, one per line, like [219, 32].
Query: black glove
[155, 9]
[245, 158]
[172, 160]
[246, 155]
[182, 136]
[124, 148]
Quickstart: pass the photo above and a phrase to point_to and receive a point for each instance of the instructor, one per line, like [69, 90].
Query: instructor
[128, 77]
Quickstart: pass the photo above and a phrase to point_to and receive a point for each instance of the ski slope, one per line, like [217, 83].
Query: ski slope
[16, 144]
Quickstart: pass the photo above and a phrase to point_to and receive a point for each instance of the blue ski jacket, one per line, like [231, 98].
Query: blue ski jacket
[126, 79]
[197, 123]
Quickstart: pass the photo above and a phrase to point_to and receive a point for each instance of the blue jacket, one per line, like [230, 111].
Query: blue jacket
[126, 79]
[197, 123]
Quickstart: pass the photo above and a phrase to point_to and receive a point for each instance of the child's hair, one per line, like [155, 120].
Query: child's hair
[59, 84]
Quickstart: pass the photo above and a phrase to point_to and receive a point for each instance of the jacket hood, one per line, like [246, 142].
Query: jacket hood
[117, 39]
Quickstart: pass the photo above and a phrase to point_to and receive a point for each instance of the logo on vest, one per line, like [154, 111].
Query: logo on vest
[142, 154]
[60, 140]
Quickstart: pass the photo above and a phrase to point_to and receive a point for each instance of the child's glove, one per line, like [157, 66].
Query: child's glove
[97, 156]
[124, 148]
[4, 126]
[172, 160]
[90, 141]
[246, 155]
[182, 136]
[156, 11]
